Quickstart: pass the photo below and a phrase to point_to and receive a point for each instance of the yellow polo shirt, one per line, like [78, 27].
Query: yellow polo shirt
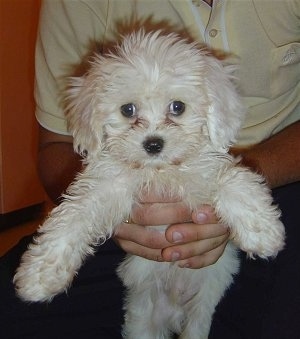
[261, 36]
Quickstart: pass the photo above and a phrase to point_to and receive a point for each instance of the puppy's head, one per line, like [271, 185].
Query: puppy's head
[157, 100]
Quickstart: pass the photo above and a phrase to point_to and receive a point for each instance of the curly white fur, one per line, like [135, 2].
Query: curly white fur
[151, 72]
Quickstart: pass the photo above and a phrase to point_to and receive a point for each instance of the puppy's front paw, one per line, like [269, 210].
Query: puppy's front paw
[244, 202]
[263, 241]
[43, 274]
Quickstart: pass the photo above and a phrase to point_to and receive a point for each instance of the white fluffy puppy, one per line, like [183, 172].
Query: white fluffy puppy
[159, 114]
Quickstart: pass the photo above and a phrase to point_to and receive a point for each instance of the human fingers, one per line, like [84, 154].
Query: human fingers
[184, 252]
[203, 217]
[204, 214]
[199, 244]
[131, 247]
[190, 232]
[204, 260]
[142, 241]
[147, 237]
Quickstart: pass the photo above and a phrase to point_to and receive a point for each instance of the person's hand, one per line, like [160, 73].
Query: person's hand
[194, 239]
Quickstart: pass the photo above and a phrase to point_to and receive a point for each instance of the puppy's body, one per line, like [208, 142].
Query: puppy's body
[159, 115]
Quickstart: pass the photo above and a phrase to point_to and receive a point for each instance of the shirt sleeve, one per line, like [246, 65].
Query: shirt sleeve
[68, 33]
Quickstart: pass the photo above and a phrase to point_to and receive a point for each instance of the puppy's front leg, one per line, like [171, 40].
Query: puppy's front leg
[85, 218]
[244, 202]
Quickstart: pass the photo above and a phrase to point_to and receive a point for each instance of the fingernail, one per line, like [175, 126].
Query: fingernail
[177, 237]
[201, 217]
[175, 256]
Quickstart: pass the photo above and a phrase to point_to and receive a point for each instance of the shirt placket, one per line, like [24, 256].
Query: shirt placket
[211, 23]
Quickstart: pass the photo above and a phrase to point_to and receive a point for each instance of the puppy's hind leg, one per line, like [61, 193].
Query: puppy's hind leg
[139, 322]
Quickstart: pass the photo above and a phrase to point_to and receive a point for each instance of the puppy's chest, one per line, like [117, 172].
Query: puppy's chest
[193, 186]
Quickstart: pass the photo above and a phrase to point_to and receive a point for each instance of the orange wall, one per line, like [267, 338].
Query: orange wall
[19, 183]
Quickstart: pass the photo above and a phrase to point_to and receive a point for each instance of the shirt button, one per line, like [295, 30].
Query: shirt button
[213, 33]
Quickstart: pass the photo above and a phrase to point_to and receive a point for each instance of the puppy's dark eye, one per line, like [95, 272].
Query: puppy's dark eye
[128, 110]
[176, 107]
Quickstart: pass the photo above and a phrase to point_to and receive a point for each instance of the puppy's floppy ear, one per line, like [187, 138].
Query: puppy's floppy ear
[81, 111]
[226, 112]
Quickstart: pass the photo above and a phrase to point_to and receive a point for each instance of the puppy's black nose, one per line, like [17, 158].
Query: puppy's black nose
[153, 145]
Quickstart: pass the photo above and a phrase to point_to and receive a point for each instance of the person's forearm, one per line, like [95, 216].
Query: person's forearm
[277, 158]
[58, 164]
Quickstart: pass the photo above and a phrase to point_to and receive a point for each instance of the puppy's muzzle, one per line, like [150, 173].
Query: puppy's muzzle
[153, 145]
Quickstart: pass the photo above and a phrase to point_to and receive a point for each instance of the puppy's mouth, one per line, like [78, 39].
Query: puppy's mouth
[157, 165]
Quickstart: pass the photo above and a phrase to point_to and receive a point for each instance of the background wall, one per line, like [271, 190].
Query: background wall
[19, 183]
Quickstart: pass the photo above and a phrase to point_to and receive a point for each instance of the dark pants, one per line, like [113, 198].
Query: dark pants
[263, 303]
